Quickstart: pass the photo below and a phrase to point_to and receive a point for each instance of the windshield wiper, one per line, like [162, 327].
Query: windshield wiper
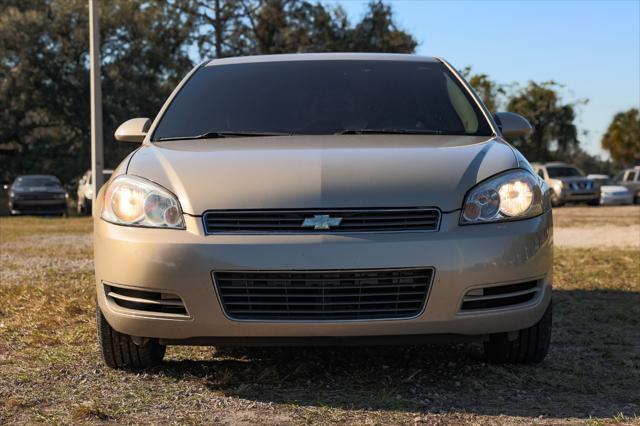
[224, 134]
[389, 132]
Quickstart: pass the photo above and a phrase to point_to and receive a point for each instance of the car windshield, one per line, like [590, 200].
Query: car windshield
[36, 181]
[563, 171]
[321, 97]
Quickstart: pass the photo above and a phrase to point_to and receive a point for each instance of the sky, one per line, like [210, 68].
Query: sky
[591, 47]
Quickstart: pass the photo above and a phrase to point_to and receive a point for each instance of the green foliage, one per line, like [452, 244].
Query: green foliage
[147, 47]
[552, 120]
[488, 90]
[249, 27]
[622, 138]
[44, 95]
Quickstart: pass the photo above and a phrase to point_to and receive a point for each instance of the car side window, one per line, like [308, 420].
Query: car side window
[541, 173]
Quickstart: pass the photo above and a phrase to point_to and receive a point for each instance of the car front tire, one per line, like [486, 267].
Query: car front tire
[119, 350]
[555, 200]
[529, 347]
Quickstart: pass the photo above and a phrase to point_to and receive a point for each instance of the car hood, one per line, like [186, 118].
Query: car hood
[322, 171]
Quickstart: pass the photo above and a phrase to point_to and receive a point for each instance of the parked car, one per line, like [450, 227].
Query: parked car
[85, 191]
[630, 178]
[37, 194]
[610, 193]
[323, 199]
[568, 184]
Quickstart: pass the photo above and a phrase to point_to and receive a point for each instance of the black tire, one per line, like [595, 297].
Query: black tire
[555, 200]
[593, 202]
[120, 352]
[530, 347]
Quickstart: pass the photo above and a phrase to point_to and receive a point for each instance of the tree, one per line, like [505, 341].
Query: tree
[622, 138]
[488, 90]
[245, 27]
[147, 46]
[378, 32]
[44, 94]
[551, 118]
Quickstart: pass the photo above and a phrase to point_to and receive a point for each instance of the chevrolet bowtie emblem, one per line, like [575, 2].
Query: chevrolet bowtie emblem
[321, 221]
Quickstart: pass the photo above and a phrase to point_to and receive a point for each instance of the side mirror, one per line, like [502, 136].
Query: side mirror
[512, 125]
[133, 130]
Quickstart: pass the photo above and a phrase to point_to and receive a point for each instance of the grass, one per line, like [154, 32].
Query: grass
[50, 369]
[585, 217]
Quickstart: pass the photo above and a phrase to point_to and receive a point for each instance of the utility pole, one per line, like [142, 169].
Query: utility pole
[97, 156]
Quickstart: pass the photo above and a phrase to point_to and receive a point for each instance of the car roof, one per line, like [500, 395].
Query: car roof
[291, 57]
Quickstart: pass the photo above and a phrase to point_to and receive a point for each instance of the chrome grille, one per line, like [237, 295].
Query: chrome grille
[292, 221]
[147, 301]
[499, 296]
[323, 295]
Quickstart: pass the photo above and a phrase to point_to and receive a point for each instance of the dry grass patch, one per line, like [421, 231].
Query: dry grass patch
[50, 369]
[594, 217]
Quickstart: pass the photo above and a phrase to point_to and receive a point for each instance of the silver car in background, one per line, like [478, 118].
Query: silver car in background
[323, 199]
[568, 184]
[610, 193]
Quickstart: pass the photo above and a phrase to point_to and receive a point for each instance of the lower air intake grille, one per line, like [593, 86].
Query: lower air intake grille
[147, 301]
[323, 295]
[499, 296]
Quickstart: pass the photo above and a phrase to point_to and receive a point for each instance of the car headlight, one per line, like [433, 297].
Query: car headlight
[134, 201]
[513, 195]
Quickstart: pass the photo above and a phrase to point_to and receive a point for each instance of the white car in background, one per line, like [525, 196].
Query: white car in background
[610, 193]
[85, 191]
[630, 179]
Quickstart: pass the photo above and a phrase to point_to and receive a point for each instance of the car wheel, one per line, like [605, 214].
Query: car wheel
[593, 202]
[119, 350]
[530, 346]
[555, 200]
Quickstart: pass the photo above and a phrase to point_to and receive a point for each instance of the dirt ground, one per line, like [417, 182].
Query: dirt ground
[51, 371]
[605, 226]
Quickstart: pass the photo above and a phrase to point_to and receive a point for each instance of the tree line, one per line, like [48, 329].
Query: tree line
[148, 45]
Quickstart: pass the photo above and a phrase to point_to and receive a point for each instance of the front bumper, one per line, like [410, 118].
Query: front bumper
[571, 196]
[464, 257]
[44, 207]
[612, 199]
